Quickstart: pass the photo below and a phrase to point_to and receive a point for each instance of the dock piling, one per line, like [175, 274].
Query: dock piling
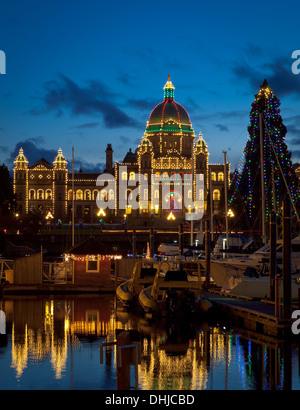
[287, 287]
[207, 254]
[273, 267]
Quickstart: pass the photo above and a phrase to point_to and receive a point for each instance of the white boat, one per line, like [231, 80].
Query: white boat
[236, 244]
[259, 287]
[173, 294]
[224, 272]
[142, 276]
[169, 249]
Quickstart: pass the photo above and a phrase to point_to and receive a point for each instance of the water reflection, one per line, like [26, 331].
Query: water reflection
[54, 334]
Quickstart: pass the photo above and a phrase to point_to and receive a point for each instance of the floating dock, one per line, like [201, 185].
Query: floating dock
[254, 315]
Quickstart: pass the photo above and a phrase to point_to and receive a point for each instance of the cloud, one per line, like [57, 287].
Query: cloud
[87, 125]
[124, 140]
[34, 152]
[277, 72]
[142, 104]
[222, 127]
[64, 94]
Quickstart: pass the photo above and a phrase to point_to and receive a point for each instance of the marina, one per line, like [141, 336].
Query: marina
[54, 343]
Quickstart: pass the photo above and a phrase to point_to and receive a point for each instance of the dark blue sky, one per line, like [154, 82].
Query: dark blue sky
[88, 73]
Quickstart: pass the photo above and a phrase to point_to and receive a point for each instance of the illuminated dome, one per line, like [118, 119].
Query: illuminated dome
[169, 115]
[60, 161]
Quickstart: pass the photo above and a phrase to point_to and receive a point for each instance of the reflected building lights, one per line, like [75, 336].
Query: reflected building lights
[198, 360]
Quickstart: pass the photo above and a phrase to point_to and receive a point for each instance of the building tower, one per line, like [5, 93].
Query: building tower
[109, 159]
[21, 182]
[60, 185]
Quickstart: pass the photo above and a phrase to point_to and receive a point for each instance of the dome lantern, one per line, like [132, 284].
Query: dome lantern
[169, 89]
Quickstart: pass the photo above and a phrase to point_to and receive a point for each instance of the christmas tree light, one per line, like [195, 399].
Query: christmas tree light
[278, 178]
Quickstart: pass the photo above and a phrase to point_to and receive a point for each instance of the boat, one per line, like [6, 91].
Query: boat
[142, 276]
[258, 287]
[226, 271]
[172, 294]
[236, 244]
[170, 249]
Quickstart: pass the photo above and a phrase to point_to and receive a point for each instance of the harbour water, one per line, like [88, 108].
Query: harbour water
[53, 343]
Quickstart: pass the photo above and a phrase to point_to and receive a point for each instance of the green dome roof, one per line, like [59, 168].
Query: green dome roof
[169, 115]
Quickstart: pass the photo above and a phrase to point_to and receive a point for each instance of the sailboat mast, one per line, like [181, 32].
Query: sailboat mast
[226, 200]
[73, 198]
[263, 211]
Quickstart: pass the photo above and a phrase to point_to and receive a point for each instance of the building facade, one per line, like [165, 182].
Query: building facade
[167, 177]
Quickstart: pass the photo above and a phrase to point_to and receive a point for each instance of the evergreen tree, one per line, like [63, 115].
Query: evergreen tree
[279, 179]
[6, 189]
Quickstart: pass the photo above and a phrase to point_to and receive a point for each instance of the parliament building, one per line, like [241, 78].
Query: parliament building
[168, 151]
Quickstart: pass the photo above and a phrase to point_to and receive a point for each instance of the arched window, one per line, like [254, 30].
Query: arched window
[156, 194]
[213, 176]
[216, 195]
[40, 194]
[157, 175]
[111, 194]
[95, 193]
[165, 175]
[188, 175]
[220, 176]
[124, 176]
[79, 194]
[48, 194]
[32, 194]
[132, 176]
[104, 194]
[87, 195]
[70, 194]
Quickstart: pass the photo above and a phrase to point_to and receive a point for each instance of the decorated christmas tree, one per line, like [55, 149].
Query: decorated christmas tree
[278, 179]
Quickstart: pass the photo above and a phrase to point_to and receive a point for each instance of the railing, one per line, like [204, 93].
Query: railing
[57, 272]
[5, 264]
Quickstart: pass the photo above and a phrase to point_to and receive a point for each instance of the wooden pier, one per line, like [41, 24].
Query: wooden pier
[254, 315]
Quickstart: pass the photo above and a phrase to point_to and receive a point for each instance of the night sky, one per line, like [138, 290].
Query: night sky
[88, 73]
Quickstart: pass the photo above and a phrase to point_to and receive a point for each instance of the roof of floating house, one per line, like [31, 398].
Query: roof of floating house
[92, 246]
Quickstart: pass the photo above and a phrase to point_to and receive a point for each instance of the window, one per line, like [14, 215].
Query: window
[48, 194]
[220, 176]
[87, 195]
[132, 176]
[213, 176]
[111, 194]
[104, 194]
[95, 193]
[124, 176]
[70, 195]
[32, 194]
[157, 175]
[156, 194]
[216, 195]
[92, 265]
[40, 194]
[189, 194]
[201, 195]
[79, 194]
[145, 194]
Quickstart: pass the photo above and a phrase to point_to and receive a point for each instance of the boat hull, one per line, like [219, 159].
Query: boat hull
[260, 288]
[175, 302]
